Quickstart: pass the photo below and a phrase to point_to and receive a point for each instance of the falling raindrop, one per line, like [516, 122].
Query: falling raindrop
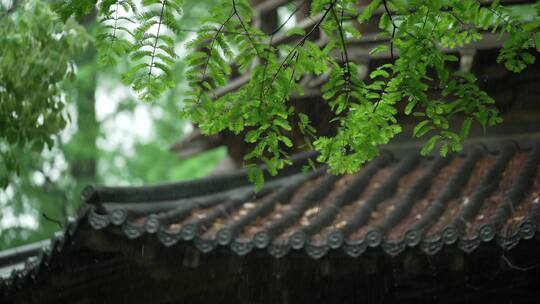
[395, 274]
[433, 271]
[467, 285]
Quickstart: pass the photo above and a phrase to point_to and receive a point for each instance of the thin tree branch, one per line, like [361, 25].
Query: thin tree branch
[222, 31]
[504, 19]
[344, 53]
[115, 21]
[270, 44]
[289, 18]
[303, 40]
[50, 219]
[235, 11]
[394, 27]
[425, 19]
[163, 4]
[203, 77]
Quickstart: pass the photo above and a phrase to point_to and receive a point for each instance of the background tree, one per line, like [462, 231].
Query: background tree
[38, 198]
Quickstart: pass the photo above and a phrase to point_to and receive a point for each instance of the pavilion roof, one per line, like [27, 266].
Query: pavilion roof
[490, 194]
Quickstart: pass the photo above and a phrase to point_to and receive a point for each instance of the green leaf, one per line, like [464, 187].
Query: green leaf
[286, 141]
[369, 11]
[253, 135]
[379, 49]
[296, 31]
[444, 150]
[410, 106]
[256, 176]
[483, 117]
[422, 128]
[282, 123]
[379, 73]
[428, 147]
[466, 127]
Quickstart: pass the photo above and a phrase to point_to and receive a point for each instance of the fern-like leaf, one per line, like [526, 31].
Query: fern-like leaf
[114, 37]
[153, 52]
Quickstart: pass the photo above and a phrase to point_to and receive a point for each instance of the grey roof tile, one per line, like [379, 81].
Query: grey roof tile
[394, 202]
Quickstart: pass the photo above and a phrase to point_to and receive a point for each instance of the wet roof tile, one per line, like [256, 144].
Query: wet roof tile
[396, 201]
[392, 203]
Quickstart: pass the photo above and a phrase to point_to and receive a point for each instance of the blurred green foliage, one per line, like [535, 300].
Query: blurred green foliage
[35, 44]
[36, 202]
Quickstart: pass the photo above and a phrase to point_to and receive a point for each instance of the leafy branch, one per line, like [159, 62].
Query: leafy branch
[113, 35]
[365, 110]
[153, 53]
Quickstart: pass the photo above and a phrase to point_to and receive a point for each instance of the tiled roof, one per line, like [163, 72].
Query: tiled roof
[394, 202]
[24, 264]
[399, 200]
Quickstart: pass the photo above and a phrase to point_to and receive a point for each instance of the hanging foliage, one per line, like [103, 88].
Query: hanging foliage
[366, 111]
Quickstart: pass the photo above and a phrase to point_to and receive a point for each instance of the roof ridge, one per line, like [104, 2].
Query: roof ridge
[97, 194]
